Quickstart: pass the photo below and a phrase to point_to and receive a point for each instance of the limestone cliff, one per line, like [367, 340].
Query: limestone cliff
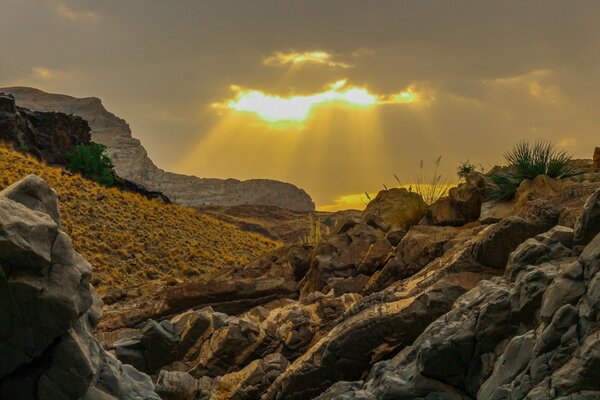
[132, 162]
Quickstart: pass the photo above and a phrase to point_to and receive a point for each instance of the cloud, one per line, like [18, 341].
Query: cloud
[298, 108]
[308, 57]
[73, 15]
[42, 73]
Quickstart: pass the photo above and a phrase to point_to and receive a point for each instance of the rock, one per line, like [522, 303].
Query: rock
[596, 159]
[132, 163]
[49, 311]
[463, 203]
[349, 348]
[158, 340]
[47, 135]
[493, 211]
[34, 193]
[7, 103]
[588, 224]
[397, 207]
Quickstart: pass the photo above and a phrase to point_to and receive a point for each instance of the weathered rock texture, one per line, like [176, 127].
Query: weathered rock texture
[47, 135]
[131, 160]
[49, 309]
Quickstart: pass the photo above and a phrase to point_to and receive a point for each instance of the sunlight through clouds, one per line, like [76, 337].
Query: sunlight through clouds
[297, 109]
[295, 58]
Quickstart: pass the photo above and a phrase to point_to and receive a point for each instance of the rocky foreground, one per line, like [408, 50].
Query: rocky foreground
[404, 302]
[132, 162]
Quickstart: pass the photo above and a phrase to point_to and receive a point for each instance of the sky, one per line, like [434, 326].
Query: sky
[333, 96]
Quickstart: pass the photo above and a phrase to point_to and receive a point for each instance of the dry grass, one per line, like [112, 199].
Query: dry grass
[130, 239]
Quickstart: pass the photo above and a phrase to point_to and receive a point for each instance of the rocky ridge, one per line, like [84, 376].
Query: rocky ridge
[132, 162]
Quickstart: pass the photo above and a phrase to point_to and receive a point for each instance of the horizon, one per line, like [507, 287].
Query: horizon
[240, 90]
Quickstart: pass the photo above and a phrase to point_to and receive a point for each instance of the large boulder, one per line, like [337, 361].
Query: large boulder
[396, 207]
[596, 160]
[49, 310]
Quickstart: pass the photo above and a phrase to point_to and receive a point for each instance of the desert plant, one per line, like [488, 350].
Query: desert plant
[431, 190]
[526, 161]
[465, 168]
[92, 162]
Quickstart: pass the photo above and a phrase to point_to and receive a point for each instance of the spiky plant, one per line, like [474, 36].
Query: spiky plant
[526, 161]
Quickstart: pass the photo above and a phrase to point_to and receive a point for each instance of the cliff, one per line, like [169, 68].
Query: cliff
[132, 162]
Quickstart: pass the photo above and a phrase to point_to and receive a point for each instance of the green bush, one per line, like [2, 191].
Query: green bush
[526, 161]
[91, 161]
[465, 168]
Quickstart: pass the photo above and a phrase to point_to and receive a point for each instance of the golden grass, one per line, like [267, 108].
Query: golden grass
[130, 239]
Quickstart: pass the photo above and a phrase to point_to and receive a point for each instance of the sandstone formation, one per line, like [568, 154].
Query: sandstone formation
[132, 163]
[49, 309]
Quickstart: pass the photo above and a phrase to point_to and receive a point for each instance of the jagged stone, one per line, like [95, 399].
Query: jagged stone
[588, 224]
[49, 311]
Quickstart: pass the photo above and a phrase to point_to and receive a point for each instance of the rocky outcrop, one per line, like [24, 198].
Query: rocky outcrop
[396, 207]
[463, 203]
[596, 160]
[532, 334]
[49, 309]
[132, 163]
[47, 135]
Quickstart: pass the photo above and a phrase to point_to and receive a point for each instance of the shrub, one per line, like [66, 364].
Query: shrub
[526, 161]
[465, 168]
[92, 162]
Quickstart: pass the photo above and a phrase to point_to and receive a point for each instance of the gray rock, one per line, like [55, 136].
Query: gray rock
[588, 224]
[34, 193]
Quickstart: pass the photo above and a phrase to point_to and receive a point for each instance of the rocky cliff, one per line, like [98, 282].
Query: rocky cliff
[132, 162]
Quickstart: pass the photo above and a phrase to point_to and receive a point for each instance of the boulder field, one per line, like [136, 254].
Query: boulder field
[392, 304]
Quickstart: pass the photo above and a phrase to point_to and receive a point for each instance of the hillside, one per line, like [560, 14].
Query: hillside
[130, 239]
[132, 162]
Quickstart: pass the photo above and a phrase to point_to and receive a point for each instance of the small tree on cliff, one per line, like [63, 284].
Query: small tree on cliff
[92, 162]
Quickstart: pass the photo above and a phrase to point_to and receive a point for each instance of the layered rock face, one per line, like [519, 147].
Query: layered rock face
[47, 135]
[49, 309]
[131, 160]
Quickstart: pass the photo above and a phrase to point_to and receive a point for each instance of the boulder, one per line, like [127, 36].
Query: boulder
[7, 103]
[596, 159]
[396, 207]
[493, 211]
[49, 310]
[34, 193]
[463, 203]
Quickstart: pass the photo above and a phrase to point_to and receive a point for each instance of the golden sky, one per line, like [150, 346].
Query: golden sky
[333, 96]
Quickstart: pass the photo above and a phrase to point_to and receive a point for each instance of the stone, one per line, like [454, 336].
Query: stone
[397, 207]
[7, 103]
[463, 203]
[132, 163]
[493, 211]
[588, 224]
[49, 311]
[596, 159]
[34, 193]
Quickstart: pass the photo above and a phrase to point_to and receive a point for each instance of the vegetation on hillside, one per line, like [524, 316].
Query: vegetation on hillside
[526, 161]
[130, 239]
[92, 162]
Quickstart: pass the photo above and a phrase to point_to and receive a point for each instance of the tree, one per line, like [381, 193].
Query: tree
[91, 161]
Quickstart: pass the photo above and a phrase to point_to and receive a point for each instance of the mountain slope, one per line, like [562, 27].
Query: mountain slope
[130, 239]
[132, 162]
